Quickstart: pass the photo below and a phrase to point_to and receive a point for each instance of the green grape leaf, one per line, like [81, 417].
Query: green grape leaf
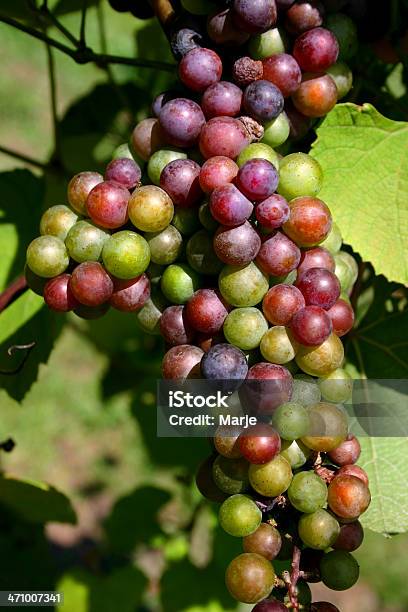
[364, 157]
[36, 502]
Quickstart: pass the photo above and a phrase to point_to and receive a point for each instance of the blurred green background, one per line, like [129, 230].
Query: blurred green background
[144, 540]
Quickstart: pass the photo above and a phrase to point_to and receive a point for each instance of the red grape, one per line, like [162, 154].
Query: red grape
[79, 188]
[223, 136]
[216, 172]
[175, 327]
[206, 312]
[257, 179]
[268, 387]
[310, 221]
[350, 538]
[281, 303]
[283, 71]
[316, 50]
[180, 179]
[317, 257]
[348, 496]
[259, 443]
[182, 362]
[181, 121]
[254, 17]
[342, 317]
[319, 287]
[124, 171]
[229, 206]
[222, 99]
[311, 326]
[200, 68]
[147, 137]
[272, 212]
[58, 294]
[347, 453]
[316, 96]
[90, 284]
[278, 255]
[107, 204]
[130, 295]
[354, 470]
[304, 15]
[222, 30]
[237, 245]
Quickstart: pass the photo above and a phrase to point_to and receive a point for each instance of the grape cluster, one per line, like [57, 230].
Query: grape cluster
[222, 245]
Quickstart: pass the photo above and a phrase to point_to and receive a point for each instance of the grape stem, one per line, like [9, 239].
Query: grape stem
[292, 578]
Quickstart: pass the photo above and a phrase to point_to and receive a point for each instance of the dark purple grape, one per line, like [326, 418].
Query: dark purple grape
[268, 387]
[278, 255]
[272, 212]
[175, 327]
[316, 50]
[181, 121]
[229, 206]
[304, 15]
[257, 179]
[200, 68]
[184, 40]
[222, 30]
[130, 295]
[162, 99]
[222, 99]
[311, 326]
[237, 245]
[90, 284]
[223, 136]
[124, 171]
[283, 71]
[58, 294]
[224, 362]
[263, 100]
[319, 287]
[350, 538]
[206, 311]
[270, 605]
[182, 362]
[254, 16]
[180, 179]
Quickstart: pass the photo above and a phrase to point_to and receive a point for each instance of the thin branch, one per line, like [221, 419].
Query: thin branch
[82, 30]
[45, 12]
[11, 350]
[12, 291]
[53, 101]
[292, 578]
[24, 158]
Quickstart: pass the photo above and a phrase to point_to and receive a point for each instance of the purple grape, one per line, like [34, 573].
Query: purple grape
[273, 212]
[263, 100]
[174, 326]
[222, 99]
[311, 326]
[180, 179]
[229, 206]
[162, 99]
[257, 179]
[184, 40]
[319, 287]
[182, 362]
[238, 245]
[200, 68]
[224, 362]
[278, 255]
[316, 50]
[181, 120]
[270, 605]
[283, 71]
[254, 16]
[124, 171]
[130, 295]
[222, 30]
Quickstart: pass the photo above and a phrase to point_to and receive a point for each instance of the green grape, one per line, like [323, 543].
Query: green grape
[307, 492]
[269, 43]
[231, 475]
[186, 220]
[289, 279]
[206, 218]
[320, 360]
[126, 254]
[278, 346]
[57, 221]
[123, 151]
[198, 7]
[295, 452]
[244, 327]
[328, 427]
[337, 386]
[339, 570]
[159, 160]
[291, 421]
[276, 132]
[243, 286]
[343, 77]
[346, 271]
[271, 479]
[258, 150]
[179, 282]
[299, 175]
[239, 516]
[47, 256]
[85, 241]
[334, 240]
[149, 315]
[250, 578]
[318, 530]
[165, 246]
[201, 255]
[305, 390]
[150, 209]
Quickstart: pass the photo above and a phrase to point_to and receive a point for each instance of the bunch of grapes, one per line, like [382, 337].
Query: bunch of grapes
[221, 245]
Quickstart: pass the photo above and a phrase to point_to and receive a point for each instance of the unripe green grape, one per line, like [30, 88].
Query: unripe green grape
[123, 151]
[346, 271]
[323, 359]
[244, 327]
[337, 386]
[206, 218]
[291, 421]
[299, 175]
[278, 346]
[250, 578]
[47, 256]
[328, 427]
[159, 160]
[243, 286]
[271, 479]
[179, 282]
[165, 246]
[305, 390]
[334, 240]
[231, 475]
[239, 516]
[343, 77]
[289, 279]
[269, 43]
[318, 530]
[57, 221]
[200, 254]
[85, 241]
[339, 570]
[303, 594]
[186, 220]
[296, 453]
[276, 132]
[258, 150]
[150, 209]
[307, 492]
[149, 315]
[126, 254]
